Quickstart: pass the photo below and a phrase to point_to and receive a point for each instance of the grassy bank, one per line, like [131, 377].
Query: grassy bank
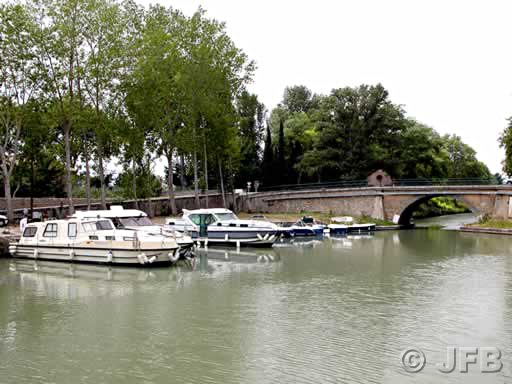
[320, 217]
[492, 223]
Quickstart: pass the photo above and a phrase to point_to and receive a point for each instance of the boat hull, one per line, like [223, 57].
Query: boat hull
[98, 255]
[338, 231]
[236, 238]
[360, 228]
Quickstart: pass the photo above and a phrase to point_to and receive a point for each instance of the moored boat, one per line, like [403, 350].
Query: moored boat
[219, 226]
[345, 224]
[93, 241]
[307, 226]
[134, 219]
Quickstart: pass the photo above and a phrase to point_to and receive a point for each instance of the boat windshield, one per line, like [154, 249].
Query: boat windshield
[101, 225]
[226, 216]
[135, 221]
[202, 219]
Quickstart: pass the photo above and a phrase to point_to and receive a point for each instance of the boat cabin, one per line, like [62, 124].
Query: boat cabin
[121, 218]
[67, 231]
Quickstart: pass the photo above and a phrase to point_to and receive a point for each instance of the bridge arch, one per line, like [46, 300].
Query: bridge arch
[409, 206]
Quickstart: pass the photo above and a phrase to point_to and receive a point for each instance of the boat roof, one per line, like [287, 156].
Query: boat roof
[207, 211]
[114, 211]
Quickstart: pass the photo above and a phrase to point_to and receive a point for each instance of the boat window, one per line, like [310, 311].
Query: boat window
[128, 222]
[202, 219]
[103, 225]
[116, 222]
[30, 232]
[143, 220]
[195, 219]
[88, 227]
[226, 216]
[72, 230]
[50, 230]
[93, 237]
[110, 238]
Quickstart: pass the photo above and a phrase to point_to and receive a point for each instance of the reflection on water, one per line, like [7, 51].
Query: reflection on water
[335, 310]
[449, 221]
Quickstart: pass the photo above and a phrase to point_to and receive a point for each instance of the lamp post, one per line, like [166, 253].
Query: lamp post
[247, 197]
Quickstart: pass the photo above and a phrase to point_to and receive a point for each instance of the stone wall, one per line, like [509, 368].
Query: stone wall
[24, 202]
[58, 208]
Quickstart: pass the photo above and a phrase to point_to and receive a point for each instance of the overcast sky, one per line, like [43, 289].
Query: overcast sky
[449, 63]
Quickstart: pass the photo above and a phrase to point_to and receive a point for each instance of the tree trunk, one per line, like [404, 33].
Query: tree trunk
[205, 171]
[8, 197]
[222, 185]
[67, 148]
[87, 176]
[170, 181]
[101, 174]
[196, 182]
[134, 171]
[182, 173]
[32, 182]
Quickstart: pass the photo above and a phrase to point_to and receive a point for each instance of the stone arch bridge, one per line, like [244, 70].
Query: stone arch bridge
[382, 202]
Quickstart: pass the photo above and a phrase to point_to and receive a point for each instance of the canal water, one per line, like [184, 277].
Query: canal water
[338, 310]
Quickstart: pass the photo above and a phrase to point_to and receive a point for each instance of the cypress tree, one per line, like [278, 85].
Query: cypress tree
[268, 161]
[281, 155]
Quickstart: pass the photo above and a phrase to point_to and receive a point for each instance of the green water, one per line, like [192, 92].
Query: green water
[333, 311]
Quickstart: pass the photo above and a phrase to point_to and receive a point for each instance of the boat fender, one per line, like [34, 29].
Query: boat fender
[238, 244]
[12, 250]
[259, 237]
[152, 259]
[226, 237]
[36, 253]
[265, 237]
[271, 238]
[141, 260]
[173, 256]
[145, 258]
[109, 257]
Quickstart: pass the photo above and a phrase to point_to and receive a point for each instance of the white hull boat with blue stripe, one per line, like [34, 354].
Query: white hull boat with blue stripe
[219, 226]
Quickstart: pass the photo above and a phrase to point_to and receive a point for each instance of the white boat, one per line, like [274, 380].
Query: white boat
[307, 226]
[93, 241]
[134, 219]
[220, 226]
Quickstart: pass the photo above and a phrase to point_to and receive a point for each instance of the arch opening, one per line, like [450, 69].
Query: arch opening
[408, 213]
